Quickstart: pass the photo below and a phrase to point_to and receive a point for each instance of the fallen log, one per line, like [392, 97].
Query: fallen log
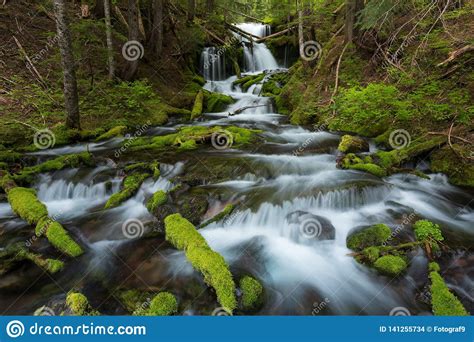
[455, 54]
[240, 110]
[274, 35]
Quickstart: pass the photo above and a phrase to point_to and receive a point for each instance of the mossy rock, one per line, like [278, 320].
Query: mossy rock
[352, 144]
[131, 184]
[371, 254]
[192, 205]
[78, 305]
[9, 156]
[221, 215]
[367, 237]
[117, 131]
[390, 265]
[370, 168]
[163, 304]
[443, 301]
[159, 198]
[184, 236]
[198, 105]
[216, 102]
[460, 171]
[252, 293]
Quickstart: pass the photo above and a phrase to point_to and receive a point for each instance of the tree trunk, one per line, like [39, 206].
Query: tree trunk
[210, 6]
[156, 37]
[67, 59]
[191, 9]
[300, 25]
[108, 32]
[133, 34]
[353, 7]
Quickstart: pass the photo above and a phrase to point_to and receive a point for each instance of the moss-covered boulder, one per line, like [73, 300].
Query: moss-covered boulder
[367, 237]
[184, 236]
[247, 81]
[252, 293]
[352, 144]
[163, 304]
[159, 198]
[216, 102]
[78, 305]
[459, 170]
[390, 265]
[443, 301]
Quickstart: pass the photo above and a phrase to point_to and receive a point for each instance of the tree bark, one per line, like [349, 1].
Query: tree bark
[191, 9]
[156, 37]
[133, 35]
[108, 33]
[71, 97]
[353, 7]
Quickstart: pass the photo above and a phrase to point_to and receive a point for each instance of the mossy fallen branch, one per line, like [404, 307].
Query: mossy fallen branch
[198, 105]
[184, 236]
[131, 184]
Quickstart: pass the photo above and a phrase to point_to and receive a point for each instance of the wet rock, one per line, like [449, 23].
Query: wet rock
[352, 144]
[312, 226]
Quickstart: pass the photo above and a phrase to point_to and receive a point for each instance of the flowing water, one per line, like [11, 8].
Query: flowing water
[294, 211]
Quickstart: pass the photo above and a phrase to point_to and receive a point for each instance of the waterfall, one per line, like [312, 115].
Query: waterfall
[213, 64]
[257, 57]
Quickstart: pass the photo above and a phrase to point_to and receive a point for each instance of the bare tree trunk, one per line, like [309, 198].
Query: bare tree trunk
[353, 7]
[133, 34]
[67, 59]
[156, 37]
[108, 32]
[300, 24]
[191, 9]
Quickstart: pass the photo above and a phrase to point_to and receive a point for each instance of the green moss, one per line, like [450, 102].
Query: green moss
[459, 171]
[390, 265]
[21, 253]
[198, 105]
[188, 145]
[60, 239]
[428, 232]
[163, 304]
[153, 167]
[226, 211]
[117, 131]
[77, 303]
[433, 267]
[131, 185]
[252, 292]
[25, 204]
[351, 144]
[9, 156]
[370, 168]
[443, 301]
[371, 254]
[368, 237]
[132, 299]
[216, 102]
[53, 265]
[158, 198]
[182, 234]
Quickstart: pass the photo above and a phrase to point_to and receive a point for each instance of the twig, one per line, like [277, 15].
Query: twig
[455, 54]
[452, 136]
[35, 71]
[336, 84]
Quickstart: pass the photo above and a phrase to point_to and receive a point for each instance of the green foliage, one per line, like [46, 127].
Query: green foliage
[460, 171]
[426, 231]
[368, 237]
[25, 204]
[184, 236]
[444, 302]
[390, 265]
[252, 291]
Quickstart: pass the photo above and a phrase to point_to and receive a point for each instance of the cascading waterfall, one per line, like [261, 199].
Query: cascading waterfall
[213, 64]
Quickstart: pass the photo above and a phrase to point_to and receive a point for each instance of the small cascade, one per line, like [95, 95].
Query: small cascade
[212, 64]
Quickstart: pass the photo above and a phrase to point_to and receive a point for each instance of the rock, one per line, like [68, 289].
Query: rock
[352, 144]
[312, 226]
[364, 237]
